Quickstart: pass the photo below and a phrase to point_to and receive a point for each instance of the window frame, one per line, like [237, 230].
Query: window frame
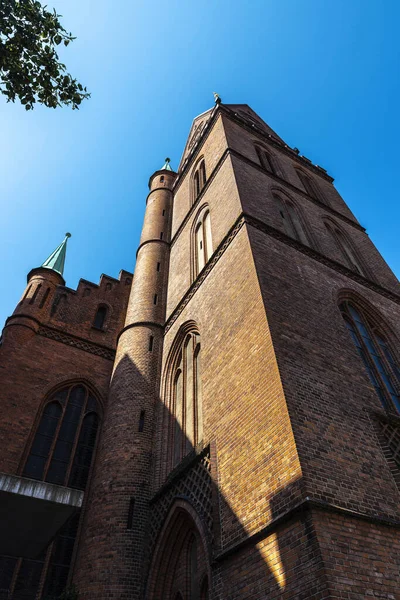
[288, 206]
[54, 398]
[374, 367]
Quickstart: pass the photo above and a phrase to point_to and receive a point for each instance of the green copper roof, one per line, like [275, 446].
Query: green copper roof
[56, 259]
[167, 166]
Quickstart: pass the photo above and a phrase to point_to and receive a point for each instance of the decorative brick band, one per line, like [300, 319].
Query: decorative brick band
[261, 226]
[305, 506]
[139, 324]
[75, 342]
[282, 237]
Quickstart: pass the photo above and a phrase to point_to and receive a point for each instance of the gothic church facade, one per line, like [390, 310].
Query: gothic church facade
[224, 424]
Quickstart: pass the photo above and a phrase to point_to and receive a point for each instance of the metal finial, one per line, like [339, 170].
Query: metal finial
[167, 160]
[68, 235]
[217, 98]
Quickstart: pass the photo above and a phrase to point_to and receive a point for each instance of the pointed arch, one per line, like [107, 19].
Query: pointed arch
[60, 450]
[182, 541]
[62, 443]
[182, 427]
[201, 247]
[310, 185]
[101, 316]
[266, 158]
[292, 218]
[375, 346]
[198, 179]
[350, 256]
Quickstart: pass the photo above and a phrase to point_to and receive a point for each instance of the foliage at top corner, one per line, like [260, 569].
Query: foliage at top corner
[30, 69]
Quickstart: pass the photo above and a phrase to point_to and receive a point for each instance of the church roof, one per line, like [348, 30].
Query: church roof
[56, 259]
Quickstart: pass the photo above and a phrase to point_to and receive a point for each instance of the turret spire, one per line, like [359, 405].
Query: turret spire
[56, 259]
[167, 166]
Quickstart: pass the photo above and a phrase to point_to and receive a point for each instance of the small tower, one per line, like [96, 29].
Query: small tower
[36, 300]
[114, 535]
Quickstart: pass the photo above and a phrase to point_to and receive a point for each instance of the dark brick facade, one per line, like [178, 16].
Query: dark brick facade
[244, 452]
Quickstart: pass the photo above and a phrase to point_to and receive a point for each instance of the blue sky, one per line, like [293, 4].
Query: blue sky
[323, 73]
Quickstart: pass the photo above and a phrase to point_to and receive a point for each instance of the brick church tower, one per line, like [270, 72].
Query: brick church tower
[228, 426]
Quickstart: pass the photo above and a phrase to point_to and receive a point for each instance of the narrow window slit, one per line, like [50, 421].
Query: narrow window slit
[151, 341]
[141, 421]
[35, 293]
[131, 509]
[46, 295]
[163, 213]
[155, 298]
[161, 235]
[158, 266]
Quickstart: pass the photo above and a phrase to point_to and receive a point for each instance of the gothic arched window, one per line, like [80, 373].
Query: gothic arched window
[61, 452]
[342, 243]
[198, 179]
[378, 359]
[202, 243]
[266, 160]
[291, 220]
[100, 317]
[63, 445]
[185, 429]
[310, 185]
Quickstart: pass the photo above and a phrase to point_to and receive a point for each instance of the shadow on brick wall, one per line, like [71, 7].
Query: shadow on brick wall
[178, 538]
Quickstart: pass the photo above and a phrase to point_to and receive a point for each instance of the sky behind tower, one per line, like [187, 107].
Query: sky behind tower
[323, 74]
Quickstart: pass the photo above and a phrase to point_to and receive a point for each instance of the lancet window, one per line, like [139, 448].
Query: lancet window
[379, 360]
[202, 242]
[199, 179]
[266, 159]
[291, 220]
[348, 254]
[100, 317]
[310, 186]
[61, 452]
[185, 416]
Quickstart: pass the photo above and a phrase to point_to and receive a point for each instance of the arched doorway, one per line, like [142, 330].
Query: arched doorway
[180, 566]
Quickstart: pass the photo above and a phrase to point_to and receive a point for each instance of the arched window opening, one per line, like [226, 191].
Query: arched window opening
[202, 241]
[291, 220]
[378, 359]
[202, 170]
[61, 452]
[199, 179]
[310, 186]
[100, 317]
[196, 184]
[266, 161]
[35, 293]
[178, 416]
[43, 441]
[345, 249]
[63, 446]
[161, 178]
[185, 405]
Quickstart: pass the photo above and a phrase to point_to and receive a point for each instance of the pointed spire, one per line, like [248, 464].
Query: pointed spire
[167, 166]
[56, 259]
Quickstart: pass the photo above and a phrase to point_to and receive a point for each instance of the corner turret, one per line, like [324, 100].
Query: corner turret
[36, 300]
